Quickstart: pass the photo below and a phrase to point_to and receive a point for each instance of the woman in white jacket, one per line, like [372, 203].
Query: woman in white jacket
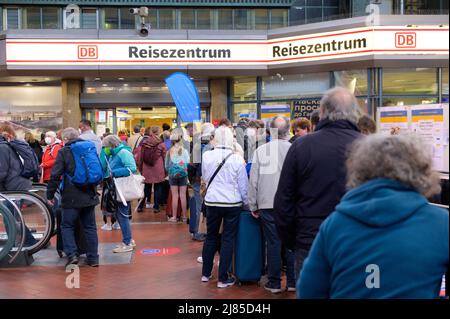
[226, 196]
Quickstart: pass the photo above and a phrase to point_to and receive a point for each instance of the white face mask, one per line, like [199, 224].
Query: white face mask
[48, 140]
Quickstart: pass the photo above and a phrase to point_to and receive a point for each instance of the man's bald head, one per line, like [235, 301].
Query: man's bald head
[339, 104]
[281, 125]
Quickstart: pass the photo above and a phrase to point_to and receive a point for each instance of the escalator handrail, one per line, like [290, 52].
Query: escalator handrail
[49, 214]
[10, 225]
[43, 187]
[18, 213]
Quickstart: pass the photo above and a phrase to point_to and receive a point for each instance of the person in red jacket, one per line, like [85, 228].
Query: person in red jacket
[50, 153]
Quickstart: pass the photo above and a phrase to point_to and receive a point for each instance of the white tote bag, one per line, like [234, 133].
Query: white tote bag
[130, 188]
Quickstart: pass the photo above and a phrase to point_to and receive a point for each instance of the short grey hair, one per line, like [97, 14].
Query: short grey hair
[282, 129]
[404, 158]
[339, 104]
[51, 134]
[70, 134]
[111, 141]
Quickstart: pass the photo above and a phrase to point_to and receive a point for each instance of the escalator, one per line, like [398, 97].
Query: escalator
[27, 224]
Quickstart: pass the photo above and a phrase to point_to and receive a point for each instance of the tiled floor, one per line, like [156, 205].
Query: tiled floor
[146, 276]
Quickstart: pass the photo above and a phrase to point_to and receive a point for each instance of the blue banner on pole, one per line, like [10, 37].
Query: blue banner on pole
[185, 96]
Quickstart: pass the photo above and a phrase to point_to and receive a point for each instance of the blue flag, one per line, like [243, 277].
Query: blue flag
[185, 96]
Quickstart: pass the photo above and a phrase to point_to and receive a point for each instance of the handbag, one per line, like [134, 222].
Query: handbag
[202, 227]
[109, 197]
[128, 188]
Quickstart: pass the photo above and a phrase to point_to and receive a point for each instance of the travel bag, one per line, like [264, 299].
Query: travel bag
[248, 263]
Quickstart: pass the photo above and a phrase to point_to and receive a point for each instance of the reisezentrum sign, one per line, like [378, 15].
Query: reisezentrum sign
[320, 46]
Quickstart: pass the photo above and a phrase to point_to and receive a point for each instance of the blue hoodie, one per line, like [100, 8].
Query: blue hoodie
[386, 224]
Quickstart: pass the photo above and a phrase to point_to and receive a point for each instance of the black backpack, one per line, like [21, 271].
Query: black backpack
[27, 157]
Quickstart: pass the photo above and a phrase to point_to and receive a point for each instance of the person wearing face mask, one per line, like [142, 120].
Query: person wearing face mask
[50, 153]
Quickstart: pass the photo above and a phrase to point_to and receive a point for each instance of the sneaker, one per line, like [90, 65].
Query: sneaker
[116, 226]
[107, 227]
[122, 248]
[173, 220]
[200, 260]
[140, 210]
[270, 287]
[291, 289]
[227, 283]
[148, 205]
[93, 263]
[206, 279]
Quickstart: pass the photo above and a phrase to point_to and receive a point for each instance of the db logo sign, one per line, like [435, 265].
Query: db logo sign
[405, 40]
[87, 52]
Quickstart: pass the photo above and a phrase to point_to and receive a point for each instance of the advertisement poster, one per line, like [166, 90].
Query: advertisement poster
[393, 119]
[101, 129]
[304, 107]
[428, 122]
[269, 111]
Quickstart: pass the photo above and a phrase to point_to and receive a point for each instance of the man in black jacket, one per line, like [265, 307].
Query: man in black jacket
[76, 202]
[313, 177]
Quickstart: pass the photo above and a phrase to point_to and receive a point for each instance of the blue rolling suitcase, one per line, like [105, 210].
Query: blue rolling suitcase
[248, 252]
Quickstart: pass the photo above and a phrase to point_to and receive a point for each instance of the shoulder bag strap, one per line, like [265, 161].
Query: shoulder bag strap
[217, 170]
[137, 141]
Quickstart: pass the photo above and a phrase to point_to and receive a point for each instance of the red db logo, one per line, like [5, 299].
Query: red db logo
[87, 52]
[405, 40]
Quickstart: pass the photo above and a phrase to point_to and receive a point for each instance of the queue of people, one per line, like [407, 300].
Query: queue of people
[333, 197]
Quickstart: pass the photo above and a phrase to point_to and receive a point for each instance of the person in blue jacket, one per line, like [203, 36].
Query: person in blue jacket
[121, 163]
[384, 239]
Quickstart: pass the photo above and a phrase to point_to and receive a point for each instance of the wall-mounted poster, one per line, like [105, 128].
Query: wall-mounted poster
[304, 107]
[269, 111]
[393, 119]
[428, 121]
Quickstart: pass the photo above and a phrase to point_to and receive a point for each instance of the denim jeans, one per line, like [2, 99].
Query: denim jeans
[214, 217]
[68, 224]
[198, 207]
[148, 195]
[273, 246]
[122, 216]
[300, 256]
[274, 251]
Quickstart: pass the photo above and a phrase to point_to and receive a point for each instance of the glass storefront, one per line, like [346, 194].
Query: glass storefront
[109, 18]
[145, 111]
[247, 110]
[410, 81]
[355, 80]
[304, 91]
[244, 89]
[294, 86]
[30, 108]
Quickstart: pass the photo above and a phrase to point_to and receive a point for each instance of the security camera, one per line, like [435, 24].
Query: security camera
[142, 11]
[145, 28]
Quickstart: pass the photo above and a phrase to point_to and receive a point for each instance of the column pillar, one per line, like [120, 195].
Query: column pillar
[71, 90]
[219, 99]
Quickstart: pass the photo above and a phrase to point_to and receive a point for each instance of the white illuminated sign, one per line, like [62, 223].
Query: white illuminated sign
[313, 47]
